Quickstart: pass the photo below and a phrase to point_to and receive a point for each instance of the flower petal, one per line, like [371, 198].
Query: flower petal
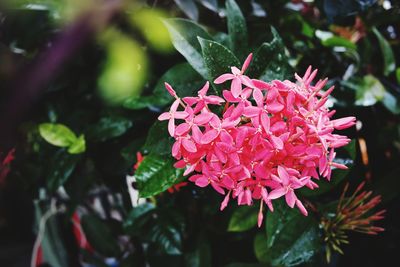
[223, 78]
[209, 136]
[236, 87]
[277, 193]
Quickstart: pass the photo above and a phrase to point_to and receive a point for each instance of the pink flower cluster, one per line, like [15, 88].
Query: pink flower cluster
[268, 139]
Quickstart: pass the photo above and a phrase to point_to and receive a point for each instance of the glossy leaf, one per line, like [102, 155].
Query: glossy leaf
[292, 238]
[270, 61]
[156, 174]
[108, 127]
[158, 140]
[61, 166]
[167, 232]
[217, 58]
[389, 64]
[100, 236]
[189, 8]
[243, 218]
[138, 217]
[237, 28]
[184, 35]
[57, 134]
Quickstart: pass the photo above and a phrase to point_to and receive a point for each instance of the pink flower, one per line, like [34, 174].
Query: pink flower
[271, 138]
[237, 78]
[172, 115]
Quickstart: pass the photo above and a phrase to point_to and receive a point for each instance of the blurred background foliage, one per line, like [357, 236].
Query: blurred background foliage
[81, 85]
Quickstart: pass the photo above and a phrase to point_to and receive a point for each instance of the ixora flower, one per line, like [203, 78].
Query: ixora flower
[271, 138]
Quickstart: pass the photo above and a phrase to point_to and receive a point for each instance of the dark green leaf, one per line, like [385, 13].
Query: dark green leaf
[389, 64]
[291, 237]
[138, 217]
[60, 169]
[158, 140]
[217, 58]
[182, 77]
[156, 174]
[100, 236]
[270, 61]
[261, 249]
[237, 28]
[108, 127]
[167, 232]
[398, 75]
[57, 134]
[184, 35]
[201, 256]
[189, 8]
[243, 218]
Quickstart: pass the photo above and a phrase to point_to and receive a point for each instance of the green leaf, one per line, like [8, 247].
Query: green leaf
[79, 146]
[57, 134]
[189, 8]
[201, 256]
[237, 28]
[243, 218]
[161, 226]
[156, 174]
[61, 166]
[261, 249]
[292, 238]
[369, 91]
[138, 217]
[398, 75]
[166, 232]
[158, 140]
[336, 41]
[100, 236]
[184, 35]
[389, 64]
[183, 78]
[391, 103]
[108, 127]
[270, 61]
[217, 58]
